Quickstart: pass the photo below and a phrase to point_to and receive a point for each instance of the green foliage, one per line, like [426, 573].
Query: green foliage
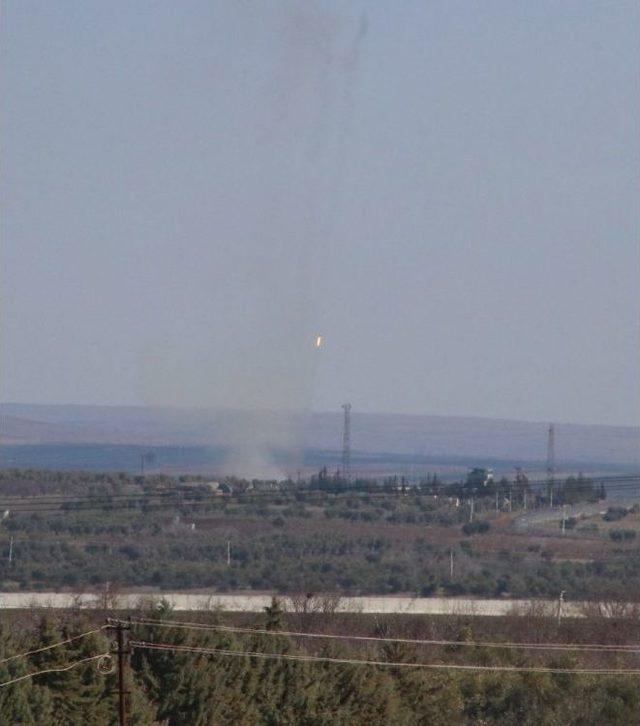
[477, 527]
[75, 697]
[203, 688]
[615, 514]
[578, 489]
[622, 535]
[273, 612]
[352, 542]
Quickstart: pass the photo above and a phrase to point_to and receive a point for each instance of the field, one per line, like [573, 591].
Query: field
[79, 531]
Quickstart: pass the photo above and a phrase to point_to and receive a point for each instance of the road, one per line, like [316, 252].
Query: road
[256, 603]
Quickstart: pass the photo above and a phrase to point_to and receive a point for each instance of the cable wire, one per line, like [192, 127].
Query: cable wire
[175, 497]
[55, 645]
[584, 647]
[352, 661]
[56, 670]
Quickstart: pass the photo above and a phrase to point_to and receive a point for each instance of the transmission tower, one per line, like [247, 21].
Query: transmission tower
[346, 443]
[551, 461]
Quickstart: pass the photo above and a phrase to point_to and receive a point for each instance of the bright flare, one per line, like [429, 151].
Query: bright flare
[318, 341]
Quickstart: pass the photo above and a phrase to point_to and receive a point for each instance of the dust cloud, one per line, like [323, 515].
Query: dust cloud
[259, 362]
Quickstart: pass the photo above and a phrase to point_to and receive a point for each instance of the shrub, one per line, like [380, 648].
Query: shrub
[589, 528]
[569, 523]
[620, 535]
[614, 514]
[476, 527]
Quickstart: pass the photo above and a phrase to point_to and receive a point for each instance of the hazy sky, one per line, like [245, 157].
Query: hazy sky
[447, 191]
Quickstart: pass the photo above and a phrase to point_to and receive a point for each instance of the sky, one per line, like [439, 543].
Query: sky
[192, 191]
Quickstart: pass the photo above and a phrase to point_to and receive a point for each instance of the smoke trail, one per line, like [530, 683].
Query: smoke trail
[265, 370]
[344, 127]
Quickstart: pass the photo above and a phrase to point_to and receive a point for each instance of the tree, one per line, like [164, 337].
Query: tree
[274, 614]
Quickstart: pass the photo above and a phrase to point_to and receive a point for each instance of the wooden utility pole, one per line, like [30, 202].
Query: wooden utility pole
[122, 653]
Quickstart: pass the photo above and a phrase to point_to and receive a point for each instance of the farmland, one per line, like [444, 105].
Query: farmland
[80, 531]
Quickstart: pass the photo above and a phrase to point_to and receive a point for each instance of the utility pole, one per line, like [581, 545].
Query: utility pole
[497, 496]
[451, 564]
[10, 550]
[471, 510]
[228, 553]
[564, 517]
[346, 443]
[522, 484]
[122, 652]
[147, 458]
[551, 461]
[560, 604]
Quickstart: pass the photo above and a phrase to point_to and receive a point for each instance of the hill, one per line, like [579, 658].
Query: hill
[431, 438]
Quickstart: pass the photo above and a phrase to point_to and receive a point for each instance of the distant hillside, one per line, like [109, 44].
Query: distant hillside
[425, 436]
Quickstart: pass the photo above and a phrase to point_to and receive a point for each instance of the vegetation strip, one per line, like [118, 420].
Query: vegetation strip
[586, 647]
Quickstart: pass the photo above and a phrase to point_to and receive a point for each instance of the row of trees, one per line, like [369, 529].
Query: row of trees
[27, 482]
[479, 483]
[179, 688]
[283, 561]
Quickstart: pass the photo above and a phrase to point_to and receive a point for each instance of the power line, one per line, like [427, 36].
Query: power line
[622, 480]
[56, 670]
[62, 504]
[79, 505]
[586, 647]
[55, 645]
[355, 488]
[353, 661]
